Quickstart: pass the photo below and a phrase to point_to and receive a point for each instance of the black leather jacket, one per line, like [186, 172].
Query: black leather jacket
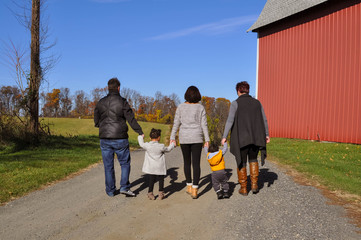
[110, 116]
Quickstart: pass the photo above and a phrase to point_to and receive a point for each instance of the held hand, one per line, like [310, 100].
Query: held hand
[268, 139]
[174, 142]
[206, 144]
[223, 141]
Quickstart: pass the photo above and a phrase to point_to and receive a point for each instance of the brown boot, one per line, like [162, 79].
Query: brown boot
[242, 179]
[254, 172]
[189, 189]
[194, 193]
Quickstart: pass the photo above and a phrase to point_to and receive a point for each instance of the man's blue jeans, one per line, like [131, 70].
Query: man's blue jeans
[121, 148]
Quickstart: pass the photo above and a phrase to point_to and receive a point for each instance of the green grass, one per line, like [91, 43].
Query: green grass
[29, 169]
[73, 146]
[335, 165]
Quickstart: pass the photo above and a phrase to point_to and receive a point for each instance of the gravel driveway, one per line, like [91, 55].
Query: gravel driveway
[79, 209]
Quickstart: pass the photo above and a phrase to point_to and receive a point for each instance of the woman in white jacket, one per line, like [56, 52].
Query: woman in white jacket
[154, 161]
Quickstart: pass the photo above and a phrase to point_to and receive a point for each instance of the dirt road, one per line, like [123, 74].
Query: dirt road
[79, 209]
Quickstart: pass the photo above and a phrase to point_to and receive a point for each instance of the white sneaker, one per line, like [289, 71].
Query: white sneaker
[128, 193]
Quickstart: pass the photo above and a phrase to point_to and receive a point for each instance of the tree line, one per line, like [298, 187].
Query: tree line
[160, 108]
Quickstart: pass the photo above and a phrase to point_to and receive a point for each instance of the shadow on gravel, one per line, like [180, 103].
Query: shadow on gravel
[232, 185]
[142, 181]
[173, 185]
[206, 180]
[266, 178]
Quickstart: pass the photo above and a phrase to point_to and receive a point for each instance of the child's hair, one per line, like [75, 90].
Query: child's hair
[213, 147]
[155, 133]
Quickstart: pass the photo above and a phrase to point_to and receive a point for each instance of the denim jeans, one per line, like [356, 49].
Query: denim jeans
[121, 148]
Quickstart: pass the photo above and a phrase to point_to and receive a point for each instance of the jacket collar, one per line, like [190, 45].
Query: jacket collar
[244, 95]
[113, 92]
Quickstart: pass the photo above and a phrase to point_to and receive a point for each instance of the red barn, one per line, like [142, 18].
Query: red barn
[309, 68]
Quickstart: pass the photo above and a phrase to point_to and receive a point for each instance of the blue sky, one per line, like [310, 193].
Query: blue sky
[150, 45]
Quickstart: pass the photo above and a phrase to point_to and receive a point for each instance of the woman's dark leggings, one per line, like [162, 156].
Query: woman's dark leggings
[251, 151]
[192, 156]
[153, 179]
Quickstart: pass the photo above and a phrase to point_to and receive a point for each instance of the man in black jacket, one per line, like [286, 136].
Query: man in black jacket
[110, 116]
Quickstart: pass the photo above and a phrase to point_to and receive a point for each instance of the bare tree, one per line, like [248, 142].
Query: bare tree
[29, 13]
[65, 102]
[9, 99]
[15, 58]
[81, 103]
[99, 93]
[35, 68]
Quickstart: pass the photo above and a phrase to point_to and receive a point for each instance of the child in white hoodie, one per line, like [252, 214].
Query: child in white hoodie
[154, 161]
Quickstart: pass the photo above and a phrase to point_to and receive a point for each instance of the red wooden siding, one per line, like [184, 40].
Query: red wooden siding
[309, 78]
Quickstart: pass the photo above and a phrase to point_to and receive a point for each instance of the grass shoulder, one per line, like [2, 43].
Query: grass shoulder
[334, 165]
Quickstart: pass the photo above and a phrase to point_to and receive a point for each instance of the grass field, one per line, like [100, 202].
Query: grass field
[75, 127]
[73, 146]
[335, 165]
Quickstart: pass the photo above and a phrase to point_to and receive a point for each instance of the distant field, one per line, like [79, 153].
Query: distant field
[75, 127]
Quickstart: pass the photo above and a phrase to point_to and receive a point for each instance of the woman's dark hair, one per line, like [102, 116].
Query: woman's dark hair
[242, 87]
[192, 95]
[213, 147]
[113, 84]
[155, 133]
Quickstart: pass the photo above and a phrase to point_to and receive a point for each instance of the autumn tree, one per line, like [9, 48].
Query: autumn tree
[166, 106]
[52, 103]
[217, 113]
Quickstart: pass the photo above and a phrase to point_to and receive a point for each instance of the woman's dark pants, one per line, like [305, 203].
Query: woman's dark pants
[192, 157]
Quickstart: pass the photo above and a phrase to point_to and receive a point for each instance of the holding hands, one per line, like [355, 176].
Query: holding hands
[173, 142]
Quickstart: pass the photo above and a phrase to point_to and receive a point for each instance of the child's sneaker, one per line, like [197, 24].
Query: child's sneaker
[151, 196]
[219, 194]
[226, 195]
[161, 195]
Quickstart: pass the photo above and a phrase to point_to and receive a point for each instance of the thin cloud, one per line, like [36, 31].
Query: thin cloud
[216, 28]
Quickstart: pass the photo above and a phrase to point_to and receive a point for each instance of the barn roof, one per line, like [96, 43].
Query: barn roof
[275, 10]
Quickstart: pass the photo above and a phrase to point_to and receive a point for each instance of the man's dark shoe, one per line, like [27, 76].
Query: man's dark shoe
[226, 195]
[219, 195]
[128, 193]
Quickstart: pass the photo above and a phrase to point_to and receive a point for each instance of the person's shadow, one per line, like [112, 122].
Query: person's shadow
[173, 186]
[143, 183]
[265, 177]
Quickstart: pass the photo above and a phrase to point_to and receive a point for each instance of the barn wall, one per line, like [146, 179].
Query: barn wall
[309, 78]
